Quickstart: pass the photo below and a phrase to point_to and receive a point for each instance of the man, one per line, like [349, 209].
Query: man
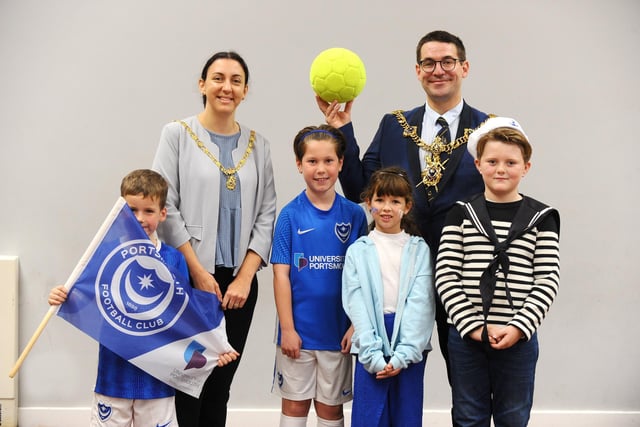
[418, 140]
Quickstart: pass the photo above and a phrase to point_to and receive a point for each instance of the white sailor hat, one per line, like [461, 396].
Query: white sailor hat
[489, 125]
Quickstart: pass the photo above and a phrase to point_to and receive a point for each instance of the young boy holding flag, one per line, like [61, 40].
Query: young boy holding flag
[126, 395]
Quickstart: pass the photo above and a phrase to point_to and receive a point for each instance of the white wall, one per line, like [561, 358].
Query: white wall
[86, 87]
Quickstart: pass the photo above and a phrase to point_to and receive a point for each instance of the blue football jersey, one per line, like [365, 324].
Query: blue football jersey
[313, 242]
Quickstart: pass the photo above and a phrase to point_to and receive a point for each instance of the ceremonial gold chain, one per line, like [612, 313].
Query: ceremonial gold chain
[230, 173]
[435, 167]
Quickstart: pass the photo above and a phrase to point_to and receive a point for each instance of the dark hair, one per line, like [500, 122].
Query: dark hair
[318, 133]
[146, 182]
[224, 55]
[392, 181]
[505, 135]
[443, 37]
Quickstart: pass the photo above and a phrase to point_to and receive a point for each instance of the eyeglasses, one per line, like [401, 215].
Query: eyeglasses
[447, 64]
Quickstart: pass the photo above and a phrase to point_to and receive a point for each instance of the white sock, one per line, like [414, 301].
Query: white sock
[287, 421]
[330, 423]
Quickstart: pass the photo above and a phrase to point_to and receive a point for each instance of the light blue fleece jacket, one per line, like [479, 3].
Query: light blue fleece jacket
[362, 299]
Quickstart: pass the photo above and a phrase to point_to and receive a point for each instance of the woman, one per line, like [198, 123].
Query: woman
[221, 210]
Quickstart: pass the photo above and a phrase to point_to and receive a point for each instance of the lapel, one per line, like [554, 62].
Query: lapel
[373, 267]
[407, 273]
[413, 156]
[413, 159]
[377, 290]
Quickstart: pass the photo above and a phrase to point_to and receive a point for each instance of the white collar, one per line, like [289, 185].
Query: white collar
[157, 239]
[451, 116]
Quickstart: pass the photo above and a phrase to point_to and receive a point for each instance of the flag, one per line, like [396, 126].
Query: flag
[123, 295]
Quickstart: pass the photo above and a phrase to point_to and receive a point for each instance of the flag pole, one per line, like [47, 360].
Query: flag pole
[32, 341]
[71, 280]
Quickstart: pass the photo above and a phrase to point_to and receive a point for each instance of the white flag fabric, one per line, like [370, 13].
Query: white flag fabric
[125, 296]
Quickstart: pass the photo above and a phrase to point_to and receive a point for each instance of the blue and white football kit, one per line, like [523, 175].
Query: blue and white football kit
[313, 243]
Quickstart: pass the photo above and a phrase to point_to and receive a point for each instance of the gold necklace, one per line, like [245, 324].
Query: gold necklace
[432, 174]
[229, 172]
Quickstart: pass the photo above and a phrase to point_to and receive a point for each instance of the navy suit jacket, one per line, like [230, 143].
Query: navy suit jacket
[460, 179]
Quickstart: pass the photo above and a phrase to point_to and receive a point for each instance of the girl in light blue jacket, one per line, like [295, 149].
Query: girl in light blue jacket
[387, 292]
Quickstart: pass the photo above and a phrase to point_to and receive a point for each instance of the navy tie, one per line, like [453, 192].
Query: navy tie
[444, 133]
[445, 136]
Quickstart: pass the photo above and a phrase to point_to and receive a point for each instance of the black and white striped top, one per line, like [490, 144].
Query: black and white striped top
[533, 277]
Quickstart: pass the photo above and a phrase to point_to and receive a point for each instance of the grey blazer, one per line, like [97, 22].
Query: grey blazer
[194, 192]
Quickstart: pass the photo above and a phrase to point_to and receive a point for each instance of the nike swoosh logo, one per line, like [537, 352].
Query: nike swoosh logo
[301, 232]
[163, 425]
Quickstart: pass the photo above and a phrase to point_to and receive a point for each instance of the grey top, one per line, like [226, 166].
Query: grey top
[230, 210]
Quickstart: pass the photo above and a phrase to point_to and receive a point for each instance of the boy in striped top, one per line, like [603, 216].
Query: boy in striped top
[497, 274]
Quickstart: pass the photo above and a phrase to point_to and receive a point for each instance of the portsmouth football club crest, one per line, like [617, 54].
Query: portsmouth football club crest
[124, 295]
[343, 231]
[104, 411]
[135, 291]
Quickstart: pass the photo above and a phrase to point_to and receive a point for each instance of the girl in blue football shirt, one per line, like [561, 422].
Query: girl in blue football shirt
[311, 238]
